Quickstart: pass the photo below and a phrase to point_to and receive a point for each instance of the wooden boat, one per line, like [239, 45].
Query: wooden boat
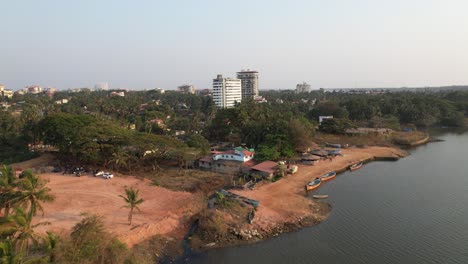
[320, 196]
[356, 166]
[328, 176]
[312, 185]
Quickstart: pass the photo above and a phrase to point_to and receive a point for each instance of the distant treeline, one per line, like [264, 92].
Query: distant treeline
[147, 127]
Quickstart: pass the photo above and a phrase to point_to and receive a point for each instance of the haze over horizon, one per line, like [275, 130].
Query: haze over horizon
[149, 44]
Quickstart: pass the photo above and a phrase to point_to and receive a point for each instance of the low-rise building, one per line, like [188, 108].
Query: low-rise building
[5, 92]
[118, 94]
[34, 89]
[266, 169]
[62, 101]
[237, 154]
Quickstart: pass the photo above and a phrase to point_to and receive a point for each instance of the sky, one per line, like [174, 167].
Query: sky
[146, 44]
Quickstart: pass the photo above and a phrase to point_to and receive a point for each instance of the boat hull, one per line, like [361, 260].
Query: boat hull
[312, 187]
[318, 196]
[328, 177]
[355, 167]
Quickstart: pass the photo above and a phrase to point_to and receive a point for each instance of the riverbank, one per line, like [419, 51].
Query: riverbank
[168, 215]
[284, 205]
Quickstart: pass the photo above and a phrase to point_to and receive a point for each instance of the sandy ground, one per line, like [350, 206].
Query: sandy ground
[285, 201]
[168, 212]
[163, 212]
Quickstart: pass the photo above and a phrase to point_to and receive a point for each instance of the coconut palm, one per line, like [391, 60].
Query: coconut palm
[132, 201]
[7, 188]
[119, 159]
[33, 192]
[7, 253]
[17, 227]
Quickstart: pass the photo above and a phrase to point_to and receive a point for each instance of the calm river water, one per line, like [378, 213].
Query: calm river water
[411, 211]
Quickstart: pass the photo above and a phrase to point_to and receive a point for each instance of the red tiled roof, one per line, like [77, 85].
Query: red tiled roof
[266, 166]
[248, 153]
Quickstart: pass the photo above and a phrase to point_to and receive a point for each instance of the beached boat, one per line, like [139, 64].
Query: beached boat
[320, 196]
[328, 176]
[356, 166]
[312, 185]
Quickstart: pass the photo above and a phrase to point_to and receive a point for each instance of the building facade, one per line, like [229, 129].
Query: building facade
[187, 88]
[226, 91]
[249, 81]
[237, 154]
[303, 88]
[5, 92]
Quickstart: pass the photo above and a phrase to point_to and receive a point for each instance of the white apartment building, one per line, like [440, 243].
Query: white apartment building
[226, 91]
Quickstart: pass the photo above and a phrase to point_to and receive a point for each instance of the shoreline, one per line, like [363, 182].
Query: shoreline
[286, 207]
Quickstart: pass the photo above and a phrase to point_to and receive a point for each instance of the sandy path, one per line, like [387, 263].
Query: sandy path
[163, 212]
[285, 201]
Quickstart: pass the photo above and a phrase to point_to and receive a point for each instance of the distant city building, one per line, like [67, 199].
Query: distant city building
[62, 101]
[226, 91]
[101, 86]
[249, 83]
[160, 90]
[260, 99]
[187, 88]
[50, 90]
[303, 88]
[121, 94]
[34, 89]
[5, 92]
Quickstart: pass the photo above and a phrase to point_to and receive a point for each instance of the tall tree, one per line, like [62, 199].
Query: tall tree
[7, 188]
[132, 201]
[33, 192]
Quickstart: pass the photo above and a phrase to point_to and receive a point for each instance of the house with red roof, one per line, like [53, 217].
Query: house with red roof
[237, 154]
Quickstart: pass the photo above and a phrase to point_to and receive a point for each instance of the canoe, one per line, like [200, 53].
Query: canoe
[320, 196]
[356, 166]
[328, 176]
[312, 185]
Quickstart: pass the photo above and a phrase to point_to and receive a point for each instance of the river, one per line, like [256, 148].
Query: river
[414, 210]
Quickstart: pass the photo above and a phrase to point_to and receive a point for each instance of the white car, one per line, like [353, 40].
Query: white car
[108, 175]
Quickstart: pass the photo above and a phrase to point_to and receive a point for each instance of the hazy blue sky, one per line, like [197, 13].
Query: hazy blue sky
[150, 43]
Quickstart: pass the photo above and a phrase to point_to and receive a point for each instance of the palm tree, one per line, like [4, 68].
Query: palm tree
[132, 201]
[50, 243]
[18, 228]
[33, 192]
[7, 253]
[7, 188]
[119, 159]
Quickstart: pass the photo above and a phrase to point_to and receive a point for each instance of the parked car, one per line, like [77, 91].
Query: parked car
[108, 175]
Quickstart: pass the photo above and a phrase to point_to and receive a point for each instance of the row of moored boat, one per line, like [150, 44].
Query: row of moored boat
[314, 184]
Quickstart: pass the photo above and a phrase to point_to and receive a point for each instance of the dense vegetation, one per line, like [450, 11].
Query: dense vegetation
[147, 128]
